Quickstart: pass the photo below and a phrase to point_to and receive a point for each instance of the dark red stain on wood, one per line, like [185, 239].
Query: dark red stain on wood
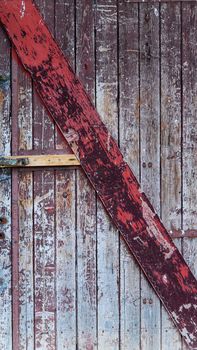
[102, 161]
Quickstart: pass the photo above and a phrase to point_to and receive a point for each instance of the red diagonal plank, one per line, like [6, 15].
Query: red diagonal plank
[100, 157]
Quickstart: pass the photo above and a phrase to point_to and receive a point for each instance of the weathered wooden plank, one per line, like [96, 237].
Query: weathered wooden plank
[43, 127]
[150, 154]
[189, 133]
[44, 260]
[66, 253]
[189, 127]
[129, 145]
[86, 198]
[44, 218]
[15, 207]
[100, 158]
[65, 36]
[39, 161]
[26, 285]
[157, 1]
[22, 196]
[65, 260]
[24, 108]
[5, 198]
[107, 235]
[170, 139]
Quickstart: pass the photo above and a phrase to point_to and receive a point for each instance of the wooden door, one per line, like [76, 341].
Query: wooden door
[62, 285]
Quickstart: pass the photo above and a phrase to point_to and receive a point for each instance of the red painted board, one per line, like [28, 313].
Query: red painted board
[102, 161]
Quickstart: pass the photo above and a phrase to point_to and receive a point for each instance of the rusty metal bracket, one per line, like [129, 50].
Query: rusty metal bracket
[12, 162]
[3, 221]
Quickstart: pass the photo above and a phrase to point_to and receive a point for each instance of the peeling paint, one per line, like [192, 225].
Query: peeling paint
[22, 10]
[153, 230]
[112, 178]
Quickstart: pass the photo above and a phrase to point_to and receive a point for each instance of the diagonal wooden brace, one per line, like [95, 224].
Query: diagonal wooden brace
[130, 210]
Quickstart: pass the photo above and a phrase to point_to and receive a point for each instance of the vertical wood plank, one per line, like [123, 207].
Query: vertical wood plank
[150, 154]
[44, 250]
[44, 219]
[129, 144]
[26, 292]
[107, 235]
[65, 37]
[86, 198]
[189, 133]
[22, 196]
[15, 208]
[65, 205]
[170, 139]
[5, 198]
[65, 260]
[43, 130]
[189, 129]
[22, 127]
[24, 109]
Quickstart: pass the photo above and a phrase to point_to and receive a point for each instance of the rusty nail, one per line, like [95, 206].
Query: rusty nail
[25, 161]
[150, 301]
[144, 301]
[3, 221]
[147, 17]
[144, 165]
[147, 51]
[2, 235]
[150, 165]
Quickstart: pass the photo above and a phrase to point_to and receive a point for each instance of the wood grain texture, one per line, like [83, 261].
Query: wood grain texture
[129, 144]
[5, 198]
[66, 331]
[25, 254]
[22, 190]
[73, 207]
[65, 32]
[50, 160]
[44, 130]
[157, 1]
[15, 207]
[150, 154]
[189, 134]
[107, 235]
[189, 129]
[66, 246]
[86, 196]
[44, 260]
[44, 218]
[171, 191]
[149, 240]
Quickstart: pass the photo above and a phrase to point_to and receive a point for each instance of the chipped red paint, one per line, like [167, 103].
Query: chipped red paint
[100, 157]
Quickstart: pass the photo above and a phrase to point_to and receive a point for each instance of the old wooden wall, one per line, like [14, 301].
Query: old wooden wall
[67, 280]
